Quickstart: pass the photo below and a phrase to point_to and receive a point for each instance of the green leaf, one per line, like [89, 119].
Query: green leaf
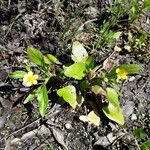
[35, 56]
[130, 68]
[69, 95]
[84, 84]
[50, 59]
[146, 4]
[42, 100]
[18, 74]
[113, 110]
[79, 53]
[89, 63]
[139, 133]
[76, 71]
[146, 145]
[98, 90]
[112, 96]
[114, 113]
[29, 98]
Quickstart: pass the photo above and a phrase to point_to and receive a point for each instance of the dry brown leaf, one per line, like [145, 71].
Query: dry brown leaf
[108, 63]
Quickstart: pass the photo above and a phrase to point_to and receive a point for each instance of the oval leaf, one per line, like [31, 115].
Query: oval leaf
[50, 59]
[42, 100]
[31, 96]
[114, 113]
[146, 4]
[112, 96]
[69, 95]
[35, 56]
[146, 145]
[76, 71]
[18, 74]
[130, 68]
[79, 53]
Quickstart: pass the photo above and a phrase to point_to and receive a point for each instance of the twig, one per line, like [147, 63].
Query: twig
[49, 114]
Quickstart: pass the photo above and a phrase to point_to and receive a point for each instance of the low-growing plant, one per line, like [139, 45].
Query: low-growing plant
[141, 135]
[75, 81]
[122, 13]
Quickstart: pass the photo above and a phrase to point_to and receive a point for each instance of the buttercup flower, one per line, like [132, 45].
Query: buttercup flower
[121, 73]
[29, 79]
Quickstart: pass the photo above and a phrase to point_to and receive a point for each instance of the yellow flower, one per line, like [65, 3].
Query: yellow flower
[29, 79]
[121, 73]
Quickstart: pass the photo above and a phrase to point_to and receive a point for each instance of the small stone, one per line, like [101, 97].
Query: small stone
[131, 79]
[68, 126]
[105, 140]
[113, 126]
[133, 117]
[2, 121]
[128, 109]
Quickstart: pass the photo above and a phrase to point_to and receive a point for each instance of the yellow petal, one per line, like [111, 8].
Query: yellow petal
[117, 70]
[34, 82]
[35, 76]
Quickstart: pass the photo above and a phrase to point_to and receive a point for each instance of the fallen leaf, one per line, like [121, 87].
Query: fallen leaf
[91, 118]
[58, 134]
[108, 63]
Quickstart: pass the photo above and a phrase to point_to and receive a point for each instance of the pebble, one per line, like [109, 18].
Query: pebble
[113, 126]
[133, 117]
[68, 126]
[105, 140]
[2, 121]
[128, 109]
[131, 79]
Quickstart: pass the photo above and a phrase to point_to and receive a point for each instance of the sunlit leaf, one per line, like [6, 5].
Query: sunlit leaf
[92, 118]
[79, 53]
[113, 110]
[35, 56]
[42, 100]
[76, 71]
[130, 68]
[112, 96]
[98, 90]
[114, 113]
[69, 95]
[29, 98]
[146, 4]
[146, 145]
[18, 74]
[50, 59]
[89, 62]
